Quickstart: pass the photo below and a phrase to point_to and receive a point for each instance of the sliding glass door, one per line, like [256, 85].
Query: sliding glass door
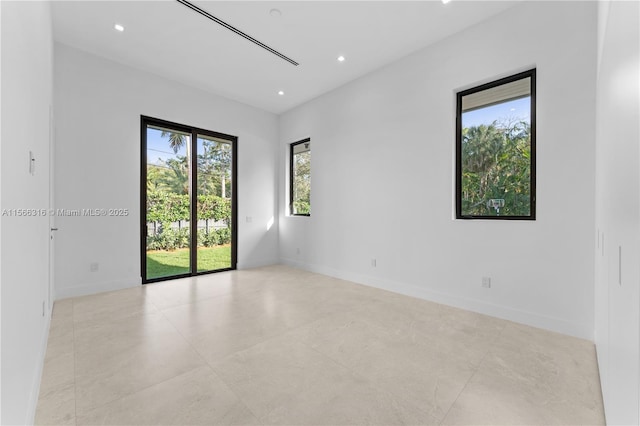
[188, 193]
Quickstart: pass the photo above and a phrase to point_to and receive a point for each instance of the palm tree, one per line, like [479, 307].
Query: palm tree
[178, 180]
[176, 140]
[481, 146]
[214, 165]
[176, 177]
[496, 160]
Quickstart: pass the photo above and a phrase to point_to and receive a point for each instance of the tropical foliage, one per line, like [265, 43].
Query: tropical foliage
[213, 172]
[214, 167]
[496, 164]
[302, 183]
[168, 199]
[165, 209]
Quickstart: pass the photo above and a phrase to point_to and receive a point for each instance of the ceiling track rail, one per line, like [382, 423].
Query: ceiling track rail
[235, 30]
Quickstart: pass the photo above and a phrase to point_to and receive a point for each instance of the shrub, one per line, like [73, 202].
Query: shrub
[224, 235]
[302, 207]
[208, 239]
[169, 239]
[170, 207]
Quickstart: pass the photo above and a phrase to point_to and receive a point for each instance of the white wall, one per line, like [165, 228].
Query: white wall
[383, 175]
[617, 295]
[26, 98]
[98, 108]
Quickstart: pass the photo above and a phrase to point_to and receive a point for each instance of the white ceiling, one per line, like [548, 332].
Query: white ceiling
[168, 39]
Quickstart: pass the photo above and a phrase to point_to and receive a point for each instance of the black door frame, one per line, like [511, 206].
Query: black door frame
[146, 121]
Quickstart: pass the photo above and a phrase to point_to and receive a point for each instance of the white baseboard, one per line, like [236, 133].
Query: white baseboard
[253, 263]
[533, 319]
[84, 290]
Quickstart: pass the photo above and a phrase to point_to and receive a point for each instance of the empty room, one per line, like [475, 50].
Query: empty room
[320, 212]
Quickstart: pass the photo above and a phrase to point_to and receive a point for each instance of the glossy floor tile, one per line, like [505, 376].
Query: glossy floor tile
[281, 346]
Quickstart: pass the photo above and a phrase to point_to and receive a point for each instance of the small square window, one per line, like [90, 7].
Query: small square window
[495, 149]
[300, 178]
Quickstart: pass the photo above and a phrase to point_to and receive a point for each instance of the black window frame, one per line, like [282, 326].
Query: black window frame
[147, 121]
[532, 175]
[291, 177]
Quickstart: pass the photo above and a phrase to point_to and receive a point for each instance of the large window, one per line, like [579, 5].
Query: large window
[188, 198]
[495, 165]
[300, 178]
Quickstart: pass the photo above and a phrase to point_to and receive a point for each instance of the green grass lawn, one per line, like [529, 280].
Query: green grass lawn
[162, 263]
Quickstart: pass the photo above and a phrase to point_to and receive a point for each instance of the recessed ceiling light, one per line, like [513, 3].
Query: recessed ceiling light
[276, 13]
[118, 27]
[445, 1]
[280, 93]
[341, 58]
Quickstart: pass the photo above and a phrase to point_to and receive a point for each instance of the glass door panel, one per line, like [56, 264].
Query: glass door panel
[214, 203]
[168, 236]
[188, 177]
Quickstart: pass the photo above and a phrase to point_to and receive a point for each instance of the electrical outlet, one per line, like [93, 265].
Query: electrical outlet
[486, 282]
[297, 250]
[373, 263]
[94, 267]
[43, 308]
[249, 219]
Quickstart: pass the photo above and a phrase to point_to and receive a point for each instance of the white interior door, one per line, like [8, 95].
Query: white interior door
[52, 216]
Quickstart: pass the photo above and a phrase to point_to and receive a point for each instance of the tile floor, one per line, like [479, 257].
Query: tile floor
[277, 345]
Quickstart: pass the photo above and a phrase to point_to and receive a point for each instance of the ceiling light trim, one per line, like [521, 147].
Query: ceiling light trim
[235, 30]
